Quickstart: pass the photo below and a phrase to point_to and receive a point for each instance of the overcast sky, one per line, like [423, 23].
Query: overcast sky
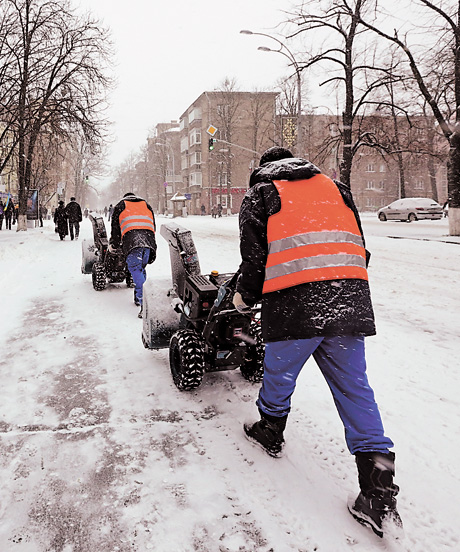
[168, 53]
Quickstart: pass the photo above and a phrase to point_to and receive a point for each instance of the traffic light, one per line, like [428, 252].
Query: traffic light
[211, 144]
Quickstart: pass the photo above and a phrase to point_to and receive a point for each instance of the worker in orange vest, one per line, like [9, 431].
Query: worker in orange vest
[133, 227]
[304, 258]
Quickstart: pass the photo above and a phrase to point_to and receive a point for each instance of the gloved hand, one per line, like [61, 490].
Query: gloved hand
[240, 305]
[112, 249]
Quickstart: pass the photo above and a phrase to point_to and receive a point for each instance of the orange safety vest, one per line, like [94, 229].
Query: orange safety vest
[136, 216]
[313, 237]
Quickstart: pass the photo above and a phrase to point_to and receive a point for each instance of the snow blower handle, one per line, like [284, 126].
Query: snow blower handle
[227, 287]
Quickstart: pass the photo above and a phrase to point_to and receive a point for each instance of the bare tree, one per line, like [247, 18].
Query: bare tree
[444, 101]
[57, 78]
[352, 63]
[228, 113]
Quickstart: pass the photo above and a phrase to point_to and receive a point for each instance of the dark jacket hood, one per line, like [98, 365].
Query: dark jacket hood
[131, 197]
[284, 169]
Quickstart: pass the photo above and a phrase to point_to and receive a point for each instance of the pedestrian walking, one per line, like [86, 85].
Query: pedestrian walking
[2, 213]
[203, 210]
[304, 258]
[60, 220]
[214, 211]
[133, 227]
[86, 212]
[42, 212]
[74, 215]
[9, 214]
[219, 210]
[110, 212]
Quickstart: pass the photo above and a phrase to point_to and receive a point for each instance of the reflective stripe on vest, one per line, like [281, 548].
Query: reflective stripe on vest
[136, 216]
[313, 237]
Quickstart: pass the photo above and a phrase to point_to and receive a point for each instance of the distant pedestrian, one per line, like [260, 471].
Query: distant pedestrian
[214, 211]
[110, 212]
[105, 211]
[9, 214]
[203, 210]
[133, 227]
[2, 213]
[42, 212]
[219, 210]
[74, 215]
[86, 212]
[60, 220]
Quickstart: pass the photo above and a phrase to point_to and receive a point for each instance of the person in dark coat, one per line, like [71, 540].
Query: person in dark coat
[304, 258]
[2, 213]
[133, 227]
[74, 215]
[9, 214]
[60, 220]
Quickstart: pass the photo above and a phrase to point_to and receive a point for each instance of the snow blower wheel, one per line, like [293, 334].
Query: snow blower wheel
[99, 276]
[252, 368]
[186, 359]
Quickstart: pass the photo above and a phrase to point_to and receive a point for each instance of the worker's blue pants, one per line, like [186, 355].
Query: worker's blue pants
[343, 364]
[137, 259]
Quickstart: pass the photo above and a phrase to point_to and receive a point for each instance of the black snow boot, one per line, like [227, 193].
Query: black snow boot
[267, 433]
[376, 503]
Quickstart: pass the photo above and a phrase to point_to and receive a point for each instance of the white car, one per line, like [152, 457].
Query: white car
[410, 209]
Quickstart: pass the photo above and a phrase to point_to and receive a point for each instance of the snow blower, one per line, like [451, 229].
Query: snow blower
[104, 266]
[196, 318]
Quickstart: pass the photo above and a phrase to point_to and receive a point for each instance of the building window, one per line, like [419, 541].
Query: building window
[382, 185]
[195, 179]
[372, 201]
[370, 185]
[195, 137]
[370, 167]
[383, 168]
[194, 114]
[183, 162]
[184, 144]
[222, 179]
[419, 185]
[182, 124]
[195, 158]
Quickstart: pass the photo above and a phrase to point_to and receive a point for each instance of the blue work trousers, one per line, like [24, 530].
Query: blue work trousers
[137, 260]
[343, 364]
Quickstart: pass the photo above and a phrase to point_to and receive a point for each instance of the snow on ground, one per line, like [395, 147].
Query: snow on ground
[101, 453]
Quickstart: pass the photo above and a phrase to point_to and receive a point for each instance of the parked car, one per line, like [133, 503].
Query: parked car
[410, 209]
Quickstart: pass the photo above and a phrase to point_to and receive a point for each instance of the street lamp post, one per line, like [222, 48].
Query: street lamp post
[284, 50]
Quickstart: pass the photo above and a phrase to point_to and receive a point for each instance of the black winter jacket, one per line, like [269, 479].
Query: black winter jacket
[73, 211]
[324, 308]
[133, 238]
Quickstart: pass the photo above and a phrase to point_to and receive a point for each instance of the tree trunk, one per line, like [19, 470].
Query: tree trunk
[22, 223]
[453, 183]
[432, 176]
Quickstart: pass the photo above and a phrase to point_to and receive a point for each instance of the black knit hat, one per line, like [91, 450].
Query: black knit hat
[275, 154]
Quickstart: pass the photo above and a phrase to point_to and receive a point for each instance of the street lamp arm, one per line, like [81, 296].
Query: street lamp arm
[236, 146]
[282, 45]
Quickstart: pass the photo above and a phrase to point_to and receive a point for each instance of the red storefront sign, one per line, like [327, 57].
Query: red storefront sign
[232, 190]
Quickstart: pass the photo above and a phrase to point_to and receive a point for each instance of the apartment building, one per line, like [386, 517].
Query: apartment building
[243, 127]
[378, 177]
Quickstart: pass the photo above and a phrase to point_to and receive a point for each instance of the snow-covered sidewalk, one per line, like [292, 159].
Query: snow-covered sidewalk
[101, 453]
